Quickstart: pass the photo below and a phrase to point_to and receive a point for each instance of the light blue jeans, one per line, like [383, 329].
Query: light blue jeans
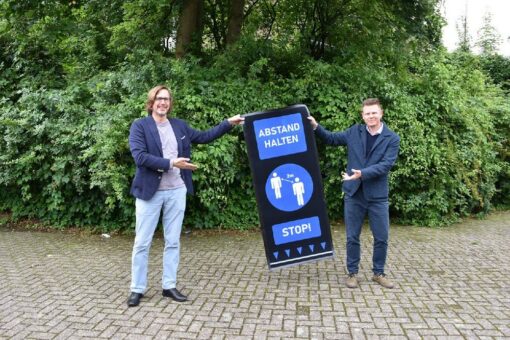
[173, 204]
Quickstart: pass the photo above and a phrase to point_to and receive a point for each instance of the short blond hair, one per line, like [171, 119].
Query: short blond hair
[371, 101]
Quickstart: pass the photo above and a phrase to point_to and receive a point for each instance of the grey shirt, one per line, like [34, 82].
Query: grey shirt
[171, 179]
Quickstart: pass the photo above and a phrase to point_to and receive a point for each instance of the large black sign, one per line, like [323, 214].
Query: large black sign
[288, 186]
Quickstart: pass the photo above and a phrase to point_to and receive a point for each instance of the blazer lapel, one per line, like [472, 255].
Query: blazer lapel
[179, 135]
[363, 140]
[378, 141]
[155, 134]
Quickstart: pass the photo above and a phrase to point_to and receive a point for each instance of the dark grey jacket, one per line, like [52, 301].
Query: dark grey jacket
[374, 168]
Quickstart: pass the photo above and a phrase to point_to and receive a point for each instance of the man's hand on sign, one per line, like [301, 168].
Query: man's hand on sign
[236, 120]
[313, 122]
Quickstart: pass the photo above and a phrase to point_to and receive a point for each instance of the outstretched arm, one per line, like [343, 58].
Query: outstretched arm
[207, 136]
[328, 137]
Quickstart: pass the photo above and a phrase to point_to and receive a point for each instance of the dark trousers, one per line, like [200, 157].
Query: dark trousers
[356, 209]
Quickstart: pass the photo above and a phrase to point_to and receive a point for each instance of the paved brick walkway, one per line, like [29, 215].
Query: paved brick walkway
[451, 283]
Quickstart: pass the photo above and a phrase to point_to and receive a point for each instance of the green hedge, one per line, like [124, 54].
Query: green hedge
[65, 158]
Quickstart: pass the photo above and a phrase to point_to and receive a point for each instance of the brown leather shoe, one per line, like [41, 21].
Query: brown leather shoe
[351, 281]
[383, 281]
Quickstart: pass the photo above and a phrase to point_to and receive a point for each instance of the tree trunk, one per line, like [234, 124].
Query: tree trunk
[235, 20]
[189, 31]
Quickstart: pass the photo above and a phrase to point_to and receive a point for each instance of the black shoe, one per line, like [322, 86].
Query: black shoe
[134, 299]
[174, 294]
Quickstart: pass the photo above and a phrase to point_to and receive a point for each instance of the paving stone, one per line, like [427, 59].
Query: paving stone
[451, 283]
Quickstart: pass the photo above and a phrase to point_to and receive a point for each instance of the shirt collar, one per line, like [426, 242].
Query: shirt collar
[378, 132]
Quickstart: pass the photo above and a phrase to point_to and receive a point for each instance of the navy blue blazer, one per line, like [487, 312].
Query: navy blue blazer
[145, 145]
[374, 168]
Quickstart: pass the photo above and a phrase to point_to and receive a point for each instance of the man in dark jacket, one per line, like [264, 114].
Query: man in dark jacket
[161, 148]
[372, 150]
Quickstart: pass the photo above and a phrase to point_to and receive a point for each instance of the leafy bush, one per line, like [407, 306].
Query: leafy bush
[65, 157]
[74, 75]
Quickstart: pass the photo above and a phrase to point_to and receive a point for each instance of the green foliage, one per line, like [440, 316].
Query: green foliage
[497, 68]
[489, 39]
[145, 25]
[74, 76]
[453, 166]
[41, 173]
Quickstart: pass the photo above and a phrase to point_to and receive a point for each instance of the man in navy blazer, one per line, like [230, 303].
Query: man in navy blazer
[161, 149]
[372, 150]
